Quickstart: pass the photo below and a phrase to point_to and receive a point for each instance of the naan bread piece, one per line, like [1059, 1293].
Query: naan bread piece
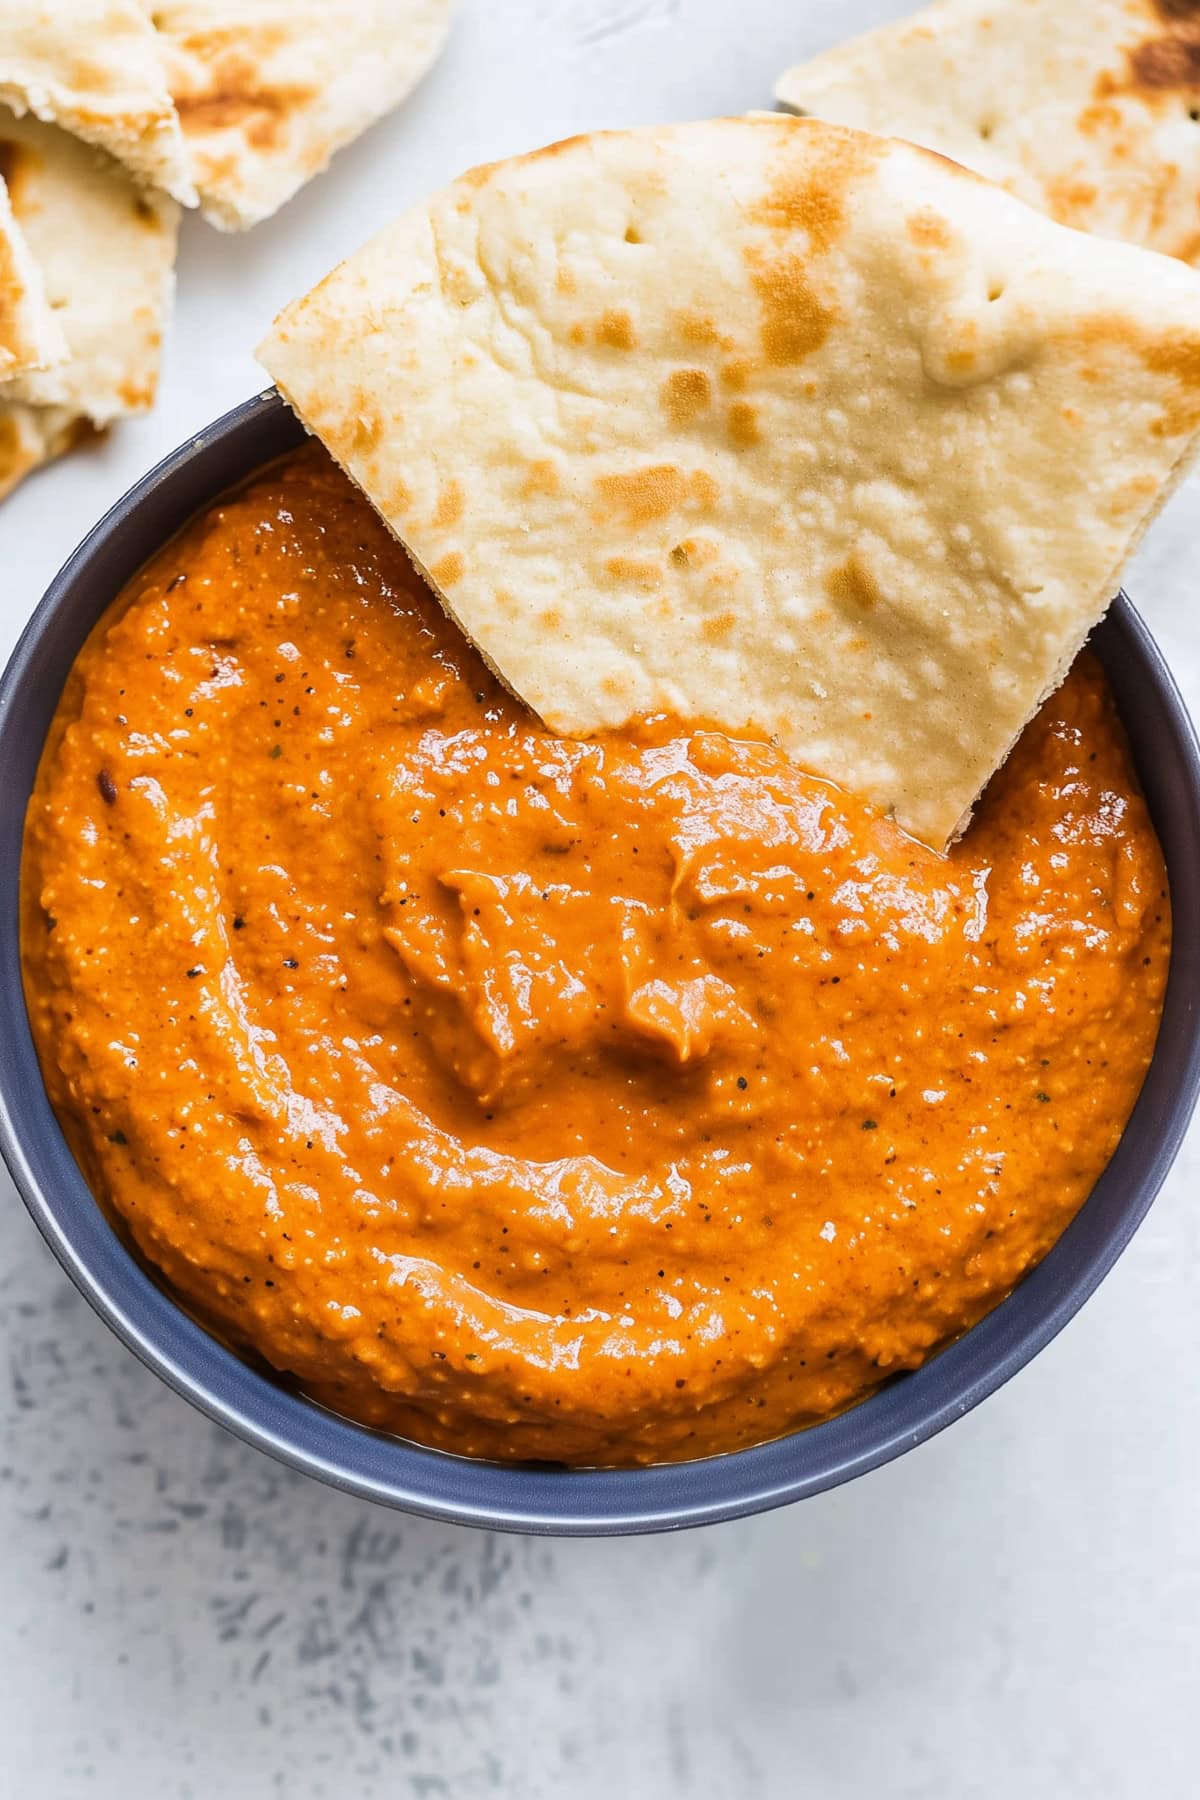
[95, 67]
[1089, 111]
[106, 249]
[30, 336]
[267, 90]
[765, 423]
[32, 435]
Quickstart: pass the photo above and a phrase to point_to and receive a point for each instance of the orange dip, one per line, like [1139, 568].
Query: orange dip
[606, 1102]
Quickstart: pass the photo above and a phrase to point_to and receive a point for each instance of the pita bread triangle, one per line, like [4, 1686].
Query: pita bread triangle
[106, 250]
[1090, 112]
[267, 90]
[95, 68]
[764, 423]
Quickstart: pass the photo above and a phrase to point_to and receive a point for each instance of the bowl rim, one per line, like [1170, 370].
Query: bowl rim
[528, 1498]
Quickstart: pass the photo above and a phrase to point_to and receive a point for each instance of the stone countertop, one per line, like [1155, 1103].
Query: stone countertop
[1013, 1608]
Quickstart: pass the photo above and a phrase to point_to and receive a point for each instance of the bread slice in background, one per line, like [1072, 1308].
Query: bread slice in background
[1089, 111]
[106, 250]
[95, 68]
[268, 90]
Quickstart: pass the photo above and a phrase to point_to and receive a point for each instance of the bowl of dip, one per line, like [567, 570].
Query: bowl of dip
[579, 1137]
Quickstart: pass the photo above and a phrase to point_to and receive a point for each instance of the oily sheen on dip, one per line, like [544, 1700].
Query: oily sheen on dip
[600, 1101]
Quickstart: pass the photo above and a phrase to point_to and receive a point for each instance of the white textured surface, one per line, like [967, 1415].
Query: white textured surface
[1014, 1609]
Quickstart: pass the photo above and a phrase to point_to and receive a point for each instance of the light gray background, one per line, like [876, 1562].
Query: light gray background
[1013, 1609]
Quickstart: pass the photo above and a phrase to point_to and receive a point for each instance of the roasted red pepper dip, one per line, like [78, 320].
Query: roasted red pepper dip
[604, 1102]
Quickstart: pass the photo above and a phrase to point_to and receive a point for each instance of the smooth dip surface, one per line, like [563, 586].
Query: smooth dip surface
[605, 1102]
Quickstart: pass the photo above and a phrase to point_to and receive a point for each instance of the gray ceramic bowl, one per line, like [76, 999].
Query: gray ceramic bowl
[909, 1409]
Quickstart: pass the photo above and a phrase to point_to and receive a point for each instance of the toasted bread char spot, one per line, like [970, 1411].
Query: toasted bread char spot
[564, 280]
[577, 335]
[1178, 9]
[644, 494]
[91, 77]
[399, 499]
[1132, 495]
[1100, 331]
[698, 331]
[743, 425]
[541, 477]
[479, 176]
[1169, 62]
[616, 330]
[551, 618]
[811, 204]
[263, 132]
[236, 96]
[1178, 356]
[736, 374]
[850, 584]
[367, 433]
[217, 171]
[684, 395]
[208, 42]
[812, 197]
[631, 569]
[928, 228]
[651, 492]
[704, 489]
[694, 553]
[137, 396]
[1102, 115]
[449, 507]
[718, 625]
[794, 322]
[548, 151]
[1067, 196]
[448, 569]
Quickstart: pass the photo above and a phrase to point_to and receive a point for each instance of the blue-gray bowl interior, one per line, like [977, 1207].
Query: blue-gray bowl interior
[529, 1498]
